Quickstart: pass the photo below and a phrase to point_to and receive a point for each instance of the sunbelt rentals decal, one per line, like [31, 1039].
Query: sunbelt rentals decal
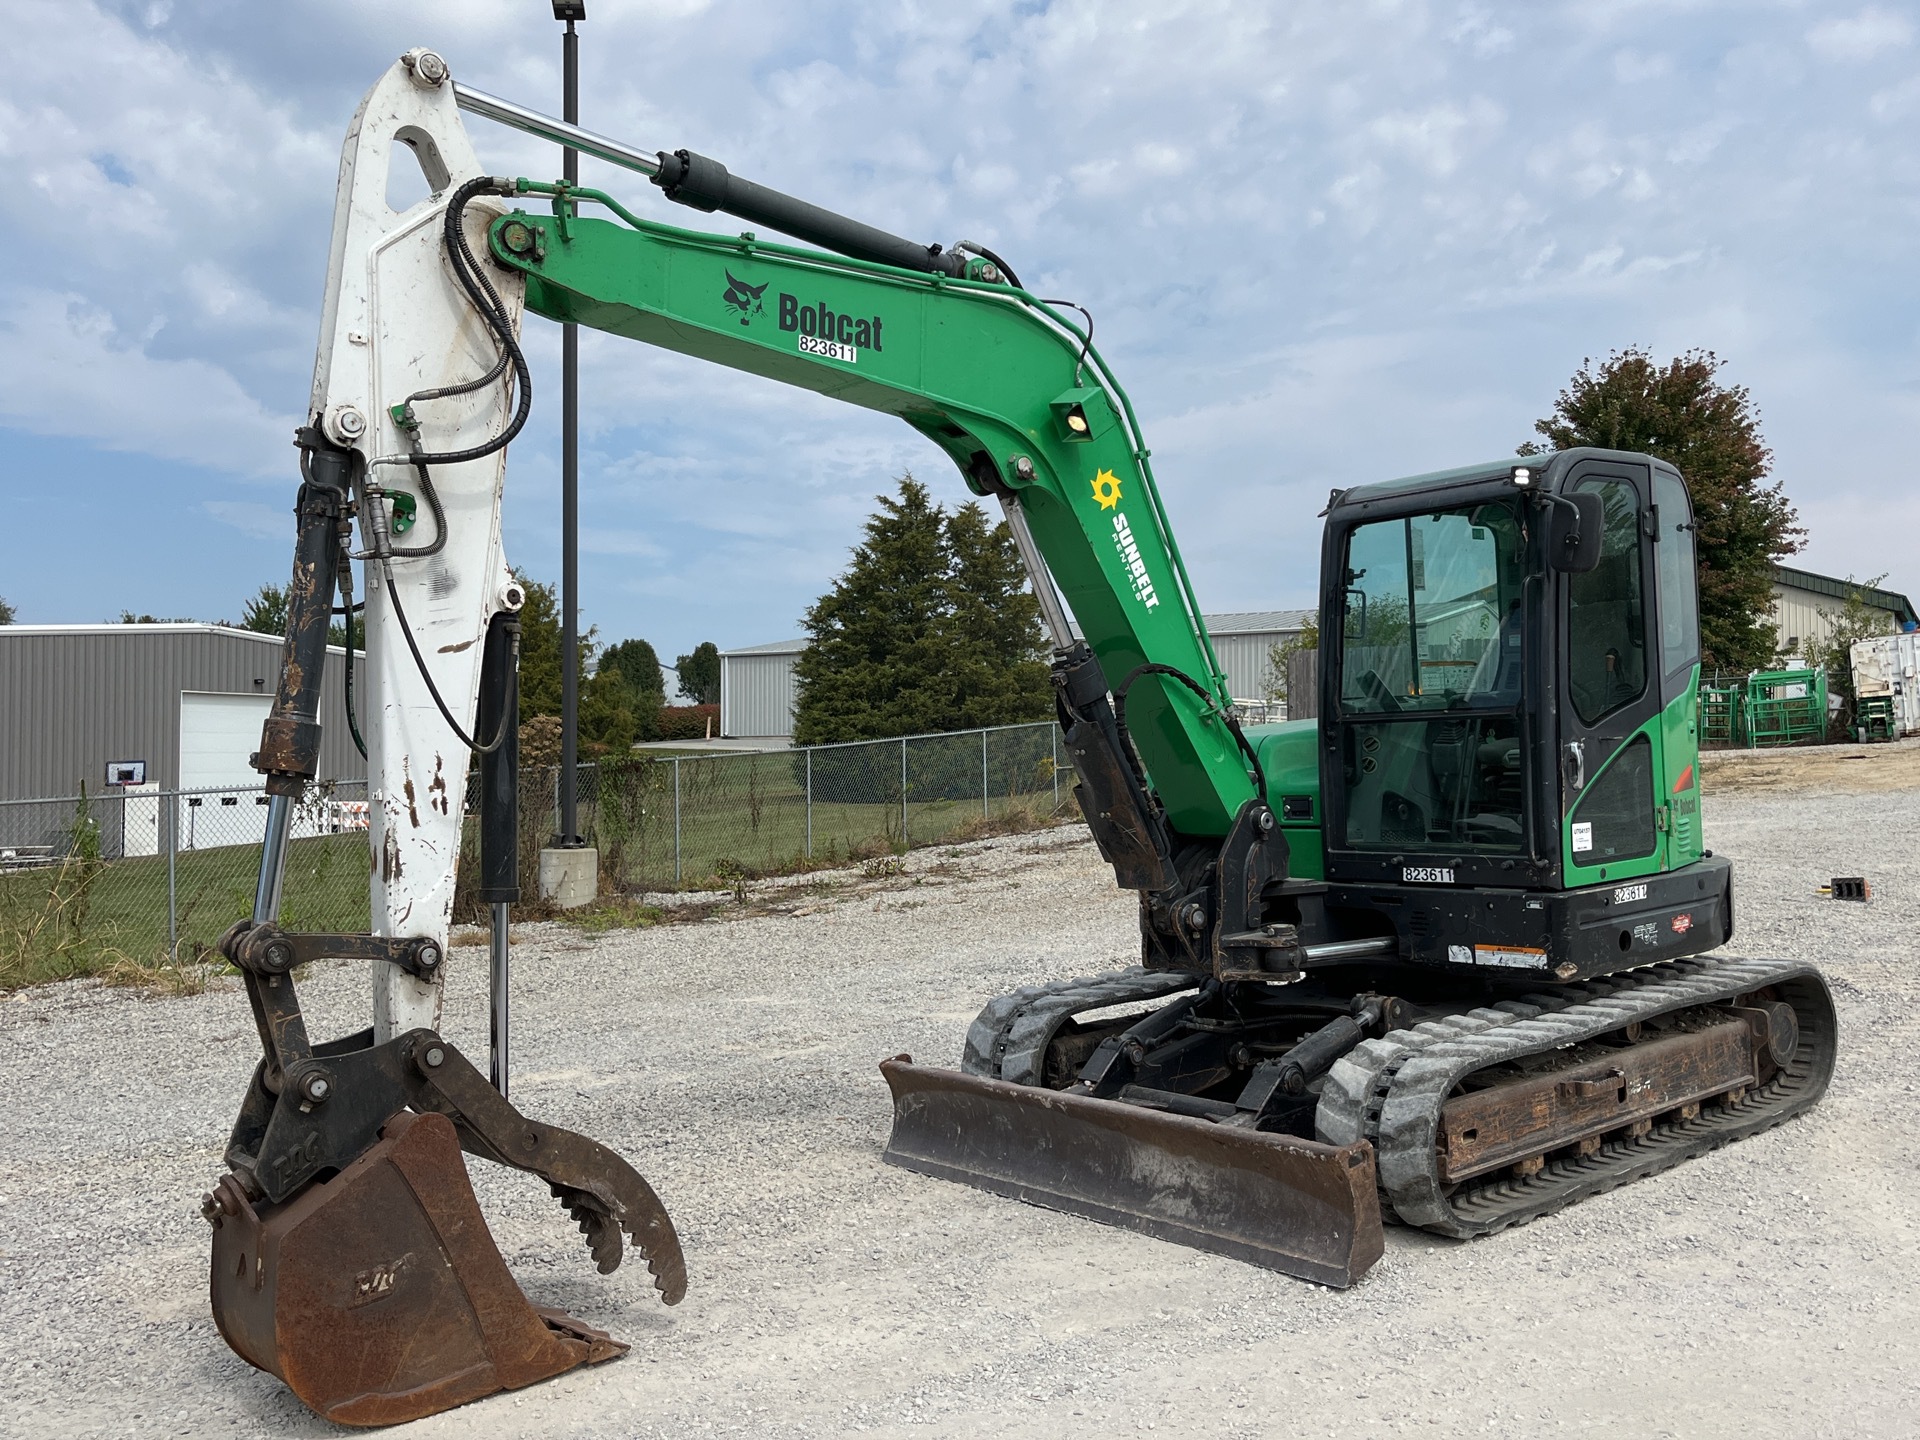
[1106, 490]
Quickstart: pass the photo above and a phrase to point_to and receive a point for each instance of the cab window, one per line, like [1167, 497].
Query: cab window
[1606, 612]
[1673, 560]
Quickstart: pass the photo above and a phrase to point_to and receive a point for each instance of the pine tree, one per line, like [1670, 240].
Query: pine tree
[1710, 432]
[635, 662]
[608, 718]
[930, 629]
[630, 671]
[874, 666]
[995, 675]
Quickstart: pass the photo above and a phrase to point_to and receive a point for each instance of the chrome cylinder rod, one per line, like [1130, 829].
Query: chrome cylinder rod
[546, 127]
[1051, 610]
[273, 859]
[497, 994]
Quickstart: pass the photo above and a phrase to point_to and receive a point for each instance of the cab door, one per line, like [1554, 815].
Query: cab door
[1610, 689]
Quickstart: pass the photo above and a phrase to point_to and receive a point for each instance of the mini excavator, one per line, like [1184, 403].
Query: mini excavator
[1436, 954]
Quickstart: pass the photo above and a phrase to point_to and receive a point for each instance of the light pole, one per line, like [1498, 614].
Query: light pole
[569, 871]
[570, 12]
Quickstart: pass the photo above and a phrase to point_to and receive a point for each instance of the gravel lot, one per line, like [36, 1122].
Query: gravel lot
[1773, 1288]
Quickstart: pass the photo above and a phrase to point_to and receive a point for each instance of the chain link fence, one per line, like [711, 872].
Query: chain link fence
[689, 820]
[143, 877]
[139, 876]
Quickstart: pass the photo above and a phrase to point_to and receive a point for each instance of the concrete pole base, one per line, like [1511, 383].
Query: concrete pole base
[569, 878]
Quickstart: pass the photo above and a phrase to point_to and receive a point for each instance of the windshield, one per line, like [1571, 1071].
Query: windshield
[1432, 612]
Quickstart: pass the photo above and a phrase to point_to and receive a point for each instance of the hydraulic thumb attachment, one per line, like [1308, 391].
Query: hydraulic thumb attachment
[349, 1255]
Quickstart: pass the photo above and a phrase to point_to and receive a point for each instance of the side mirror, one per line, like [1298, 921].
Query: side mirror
[1575, 532]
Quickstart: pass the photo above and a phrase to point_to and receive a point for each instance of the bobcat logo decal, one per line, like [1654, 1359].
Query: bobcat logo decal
[745, 298]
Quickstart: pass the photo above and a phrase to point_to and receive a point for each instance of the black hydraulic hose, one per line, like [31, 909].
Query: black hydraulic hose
[1086, 341]
[420, 663]
[347, 610]
[1233, 724]
[1005, 269]
[473, 279]
[487, 301]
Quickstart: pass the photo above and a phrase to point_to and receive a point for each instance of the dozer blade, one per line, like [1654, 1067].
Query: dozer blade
[1297, 1206]
[378, 1296]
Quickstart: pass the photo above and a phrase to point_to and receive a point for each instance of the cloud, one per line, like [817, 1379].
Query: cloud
[66, 369]
[1861, 37]
[1324, 244]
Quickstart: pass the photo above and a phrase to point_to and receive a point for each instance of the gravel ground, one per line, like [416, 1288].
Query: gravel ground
[1766, 1289]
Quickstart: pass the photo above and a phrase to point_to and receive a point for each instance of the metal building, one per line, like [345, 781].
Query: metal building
[1805, 606]
[757, 690]
[758, 693]
[1245, 639]
[184, 702]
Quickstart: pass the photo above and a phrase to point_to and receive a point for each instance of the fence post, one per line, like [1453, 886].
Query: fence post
[172, 804]
[903, 790]
[985, 814]
[809, 802]
[676, 822]
[1053, 744]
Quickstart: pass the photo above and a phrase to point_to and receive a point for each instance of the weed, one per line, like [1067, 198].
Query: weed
[619, 913]
[730, 874]
[882, 867]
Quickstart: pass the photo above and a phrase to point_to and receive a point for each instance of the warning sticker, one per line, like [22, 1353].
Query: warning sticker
[1514, 957]
[1459, 955]
[1582, 836]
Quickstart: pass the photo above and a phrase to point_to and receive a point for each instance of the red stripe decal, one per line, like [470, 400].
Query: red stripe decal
[1685, 782]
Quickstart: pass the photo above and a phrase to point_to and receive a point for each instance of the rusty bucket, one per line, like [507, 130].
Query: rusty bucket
[379, 1296]
[1293, 1205]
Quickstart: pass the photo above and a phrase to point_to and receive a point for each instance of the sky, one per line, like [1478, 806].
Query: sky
[1323, 245]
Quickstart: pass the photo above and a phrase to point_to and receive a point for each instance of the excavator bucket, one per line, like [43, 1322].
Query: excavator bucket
[1297, 1206]
[378, 1296]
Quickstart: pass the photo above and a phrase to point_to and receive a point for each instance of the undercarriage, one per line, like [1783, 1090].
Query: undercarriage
[1471, 1104]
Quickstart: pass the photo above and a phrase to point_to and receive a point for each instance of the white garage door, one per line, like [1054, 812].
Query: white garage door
[217, 734]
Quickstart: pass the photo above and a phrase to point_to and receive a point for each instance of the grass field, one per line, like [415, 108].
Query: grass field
[87, 917]
[704, 821]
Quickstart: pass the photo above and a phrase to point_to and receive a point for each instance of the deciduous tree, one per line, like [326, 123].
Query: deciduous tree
[1710, 432]
[699, 674]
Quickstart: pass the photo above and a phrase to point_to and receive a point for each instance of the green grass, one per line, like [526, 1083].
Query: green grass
[99, 917]
[749, 813]
[740, 816]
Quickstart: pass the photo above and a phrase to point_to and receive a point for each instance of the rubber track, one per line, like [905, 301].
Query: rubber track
[1390, 1091]
[1009, 1038]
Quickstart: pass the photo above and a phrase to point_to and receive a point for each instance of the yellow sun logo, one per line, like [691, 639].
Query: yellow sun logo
[1106, 489]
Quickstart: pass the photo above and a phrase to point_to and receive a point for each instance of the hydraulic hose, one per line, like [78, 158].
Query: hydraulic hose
[1233, 725]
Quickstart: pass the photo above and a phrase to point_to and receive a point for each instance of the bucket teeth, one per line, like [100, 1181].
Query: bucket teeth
[603, 1235]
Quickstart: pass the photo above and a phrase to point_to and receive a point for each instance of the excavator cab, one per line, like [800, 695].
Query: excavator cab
[1508, 682]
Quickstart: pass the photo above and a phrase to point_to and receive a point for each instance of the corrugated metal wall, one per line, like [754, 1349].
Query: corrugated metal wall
[1802, 616]
[757, 689]
[757, 694]
[1244, 658]
[72, 700]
